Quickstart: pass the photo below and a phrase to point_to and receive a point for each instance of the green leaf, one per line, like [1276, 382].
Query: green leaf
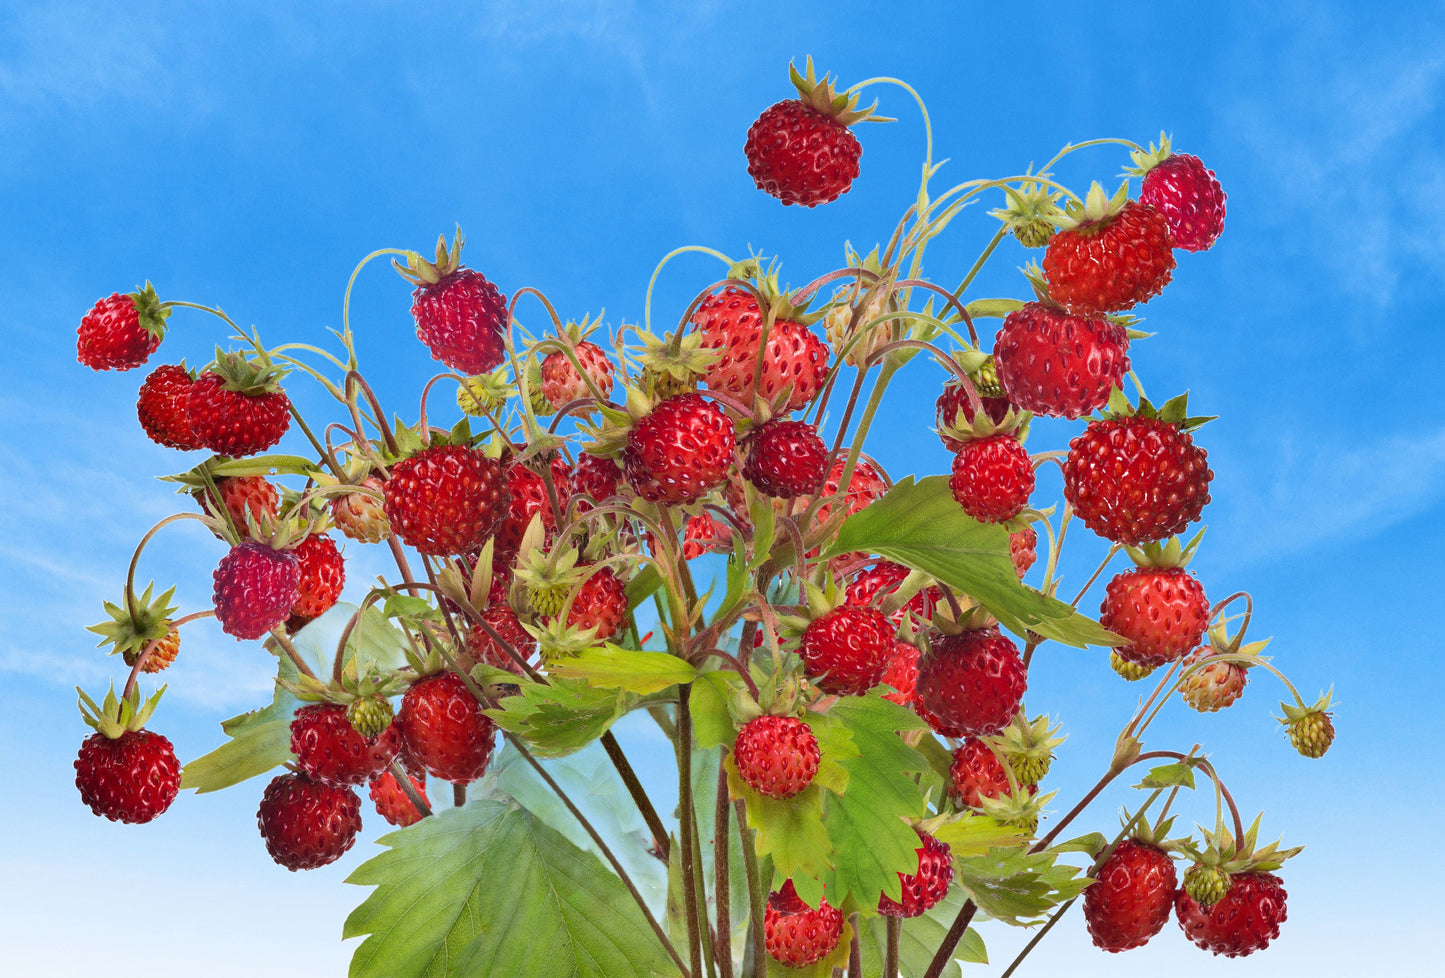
[871, 842]
[975, 835]
[488, 889]
[641, 586]
[1015, 886]
[992, 308]
[918, 524]
[1091, 845]
[920, 938]
[260, 740]
[407, 606]
[561, 718]
[712, 723]
[791, 831]
[618, 668]
[1169, 776]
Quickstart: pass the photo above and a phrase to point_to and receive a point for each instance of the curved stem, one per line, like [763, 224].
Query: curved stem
[923, 109]
[652, 282]
[151, 646]
[978, 265]
[350, 282]
[1090, 583]
[135, 557]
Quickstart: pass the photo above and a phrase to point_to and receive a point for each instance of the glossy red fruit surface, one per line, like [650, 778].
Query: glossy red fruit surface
[329, 750]
[323, 575]
[255, 589]
[680, 451]
[1189, 196]
[392, 802]
[796, 934]
[306, 824]
[870, 586]
[462, 319]
[801, 156]
[133, 778]
[776, 756]
[235, 423]
[731, 323]
[786, 458]
[446, 500]
[976, 773]
[1060, 365]
[1111, 264]
[162, 404]
[971, 683]
[600, 603]
[923, 889]
[1245, 921]
[1161, 611]
[844, 651]
[111, 336]
[1130, 899]
[562, 384]
[444, 729]
[1134, 480]
[992, 478]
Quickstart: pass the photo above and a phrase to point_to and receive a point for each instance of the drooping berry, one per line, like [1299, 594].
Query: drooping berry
[796, 934]
[161, 406]
[1189, 196]
[121, 331]
[444, 729]
[306, 824]
[392, 802]
[680, 451]
[323, 574]
[1059, 365]
[923, 889]
[845, 650]
[131, 778]
[785, 459]
[1245, 920]
[1134, 479]
[1130, 899]
[972, 683]
[776, 756]
[1162, 611]
[992, 478]
[329, 749]
[446, 499]
[255, 589]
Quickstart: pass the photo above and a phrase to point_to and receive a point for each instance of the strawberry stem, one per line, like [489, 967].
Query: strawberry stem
[722, 883]
[652, 282]
[409, 789]
[135, 557]
[145, 655]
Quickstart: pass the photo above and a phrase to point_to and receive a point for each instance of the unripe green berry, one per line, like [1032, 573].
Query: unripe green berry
[985, 379]
[1206, 885]
[1312, 734]
[1132, 671]
[369, 715]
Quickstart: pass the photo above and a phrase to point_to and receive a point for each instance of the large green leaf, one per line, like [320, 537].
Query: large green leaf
[563, 717]
[488, 889]
[918, 524]
[1015, 886]
[614, 667]
[259, 741]
[790, 830]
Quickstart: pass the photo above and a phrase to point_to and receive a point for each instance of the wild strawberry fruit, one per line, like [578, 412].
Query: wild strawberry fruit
[483, 647]
[245, 498]
[1188, 194]
[922, 890]
[1215, 684]
[121, 331]
[1311, 729]
[865, 486]
[370, 716]
[796, 934]
[446, 499]
[1245, 919]
[323, 575]
[130, 778]
[460, 316]
[1131, 896]
[1022, 549]
[1059, 365]
[528, 496]
[992, 478]
[255, 588]
[161, 657]
[844, 651]
[786, 458]
[953, 409]
[972, 682]
[901, 673]
[392, 802]
[976, 773]
[444, 729]
[800, 150]
[237, 407]
[884, 578]
[600, 603]
[361, 515]
[776, 756]
[1128, 671]
[161, 406]
[306, 824]
[1162, 611]
[562, 384]
[703, 534]
[1109, 255]
[329, 750]
[595, 477]
[731, 323]
[680, 451]
[1137, 477]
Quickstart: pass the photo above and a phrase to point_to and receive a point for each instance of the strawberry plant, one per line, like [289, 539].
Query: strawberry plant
[860, 781]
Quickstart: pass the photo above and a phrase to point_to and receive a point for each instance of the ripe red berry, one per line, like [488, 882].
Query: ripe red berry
[244, 498]
[482, 647]
[1056, 364]
[971, 683]
[462, 319]
[1190, 198]
[923, 889]
[954, 409]
[901, 673]
[1131, 896]
[392, 802]
[680, 451]
[1244, 921]
[445, 500]
[562, 384]
[884, 578]
[600, 603]
[133, 778]
[596, 477]
[865, 486]
[161, 406]
[236, 422]
[329, 750]
[1162, 611]
[323, 575]
[786, 458]
[797, 935]
[306, 824]
[800, 155]
[992, 478]
[120, 331]
[731, 322]
[1110, 264]
[776, 756]
[703, 534]
[976, 773]
[1134, 479]
[255, 589]
[444, 729]
[844, 651]
[527, 492]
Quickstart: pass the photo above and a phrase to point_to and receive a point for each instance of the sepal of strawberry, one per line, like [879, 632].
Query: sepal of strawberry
[1032, 211]
[420, 271]
[484, 395]
[1018, 808]
[854, 322]
[1224, 853]
[136, 623]
[1028, 746]
[114, 717]
[1174, 411]
[1095, 207]
[821, 97]
[1311, 729]
[673, 365]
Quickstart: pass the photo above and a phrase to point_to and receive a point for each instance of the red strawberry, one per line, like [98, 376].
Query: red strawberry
[954, 409]
[972, 682]
[562, 384]
[1130, 898]
[306, 824]
[976, 773]
[901, 673]
[703, 534]
[1135, 479]
[680, 451]
[162, 404]
[1244, 921]
[1057, 364]
[482, 647]
[865, 486]
[786, 458]
[446, 499]
[1162, 611]
[329, 750]
[601, 603]
[797, 935]
[237, 408]
[923, 889]
[1186, 193]
[1119, 253]
[800, 150]
[121, 331]
[992, 478]
[596, 477]
[776, 756]
[362, 516]
[131, 778]
[242, 497]
[392, 802]
[884, 578]
[845, 651]
[255, 589]
[323, 574]
[460, 316]
[1021, 548]
[444, 729]
[528, 497]
[731, 322]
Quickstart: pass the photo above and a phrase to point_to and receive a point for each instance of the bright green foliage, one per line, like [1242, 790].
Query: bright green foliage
[561, 718]
[1179, 775]
[489, 889]
[712, 725]
[791, 831]
[918, 524]
[618, 668]
[1015, 886]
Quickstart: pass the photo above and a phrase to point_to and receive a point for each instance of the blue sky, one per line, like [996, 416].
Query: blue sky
[250, 159]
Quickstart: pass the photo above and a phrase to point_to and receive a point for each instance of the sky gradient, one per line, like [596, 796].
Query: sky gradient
[249, 160]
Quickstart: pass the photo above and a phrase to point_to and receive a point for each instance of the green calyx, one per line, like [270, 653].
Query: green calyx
[419, 271]
[247, 375]
[557, 640]
[547, 578]
[1032, 212]
[1168, 554]
[134, 626]
[820, 96]
[674, 365]
[1311, 729]
[1150, 834]
[773, 298]
[1028, 747]
[151, 313]
[1224, 852]
[1018, 808]
[1132, 671]
[485, 394]
[1146, 160]
[116, 717]
[1174, 411]
[1096, 212]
